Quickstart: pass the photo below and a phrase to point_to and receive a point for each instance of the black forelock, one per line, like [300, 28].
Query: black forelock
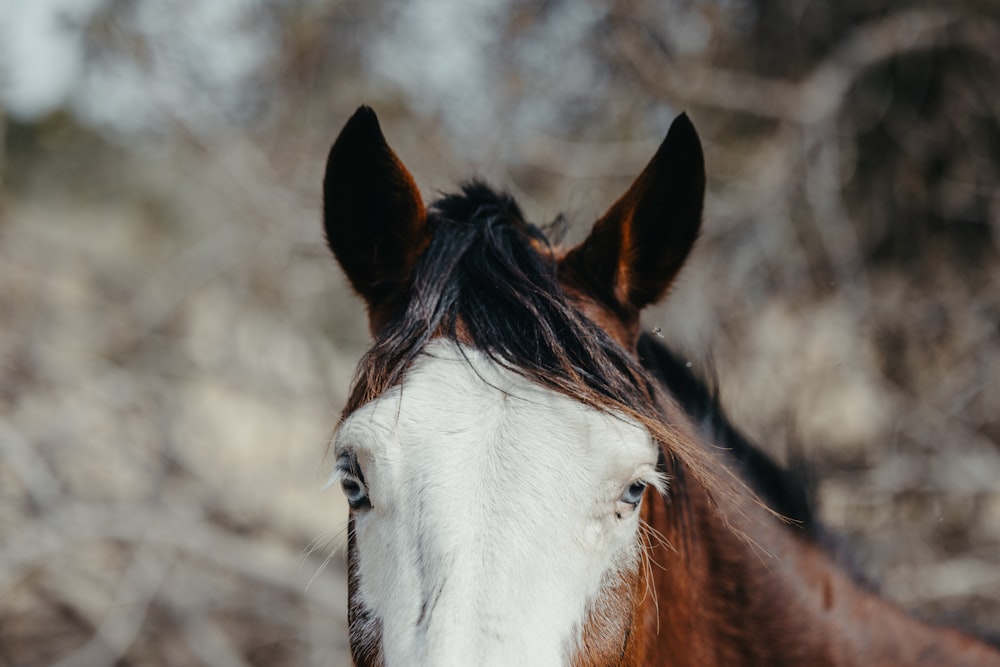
[489, 278]
[475, 202]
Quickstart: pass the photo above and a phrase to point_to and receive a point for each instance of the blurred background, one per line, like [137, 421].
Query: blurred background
[176, 343]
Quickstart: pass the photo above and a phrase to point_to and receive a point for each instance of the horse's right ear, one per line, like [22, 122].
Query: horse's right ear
[375, 221]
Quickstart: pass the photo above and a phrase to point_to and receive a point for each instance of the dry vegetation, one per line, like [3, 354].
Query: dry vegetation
[175, 343]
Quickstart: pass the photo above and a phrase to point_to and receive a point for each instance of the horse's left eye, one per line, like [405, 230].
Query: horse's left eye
[633, 494]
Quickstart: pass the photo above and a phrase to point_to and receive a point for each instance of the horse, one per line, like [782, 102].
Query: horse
[534, 480]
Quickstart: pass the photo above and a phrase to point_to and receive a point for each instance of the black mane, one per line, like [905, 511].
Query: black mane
[782, 491]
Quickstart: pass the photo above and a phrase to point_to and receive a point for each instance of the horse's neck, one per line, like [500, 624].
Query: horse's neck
[769, 597]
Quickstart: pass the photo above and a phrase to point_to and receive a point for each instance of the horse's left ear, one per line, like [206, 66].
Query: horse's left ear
[373, 213]
[636, 249]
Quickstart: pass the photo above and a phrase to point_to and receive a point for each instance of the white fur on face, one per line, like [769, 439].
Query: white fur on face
[495, 513]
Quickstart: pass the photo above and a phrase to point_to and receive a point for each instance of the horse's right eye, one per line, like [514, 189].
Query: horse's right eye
[352, 483]
[355, 492]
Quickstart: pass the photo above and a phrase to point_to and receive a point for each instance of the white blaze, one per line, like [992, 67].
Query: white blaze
[493, 519]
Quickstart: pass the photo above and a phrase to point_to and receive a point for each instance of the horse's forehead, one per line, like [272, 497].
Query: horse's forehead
[456, 393]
